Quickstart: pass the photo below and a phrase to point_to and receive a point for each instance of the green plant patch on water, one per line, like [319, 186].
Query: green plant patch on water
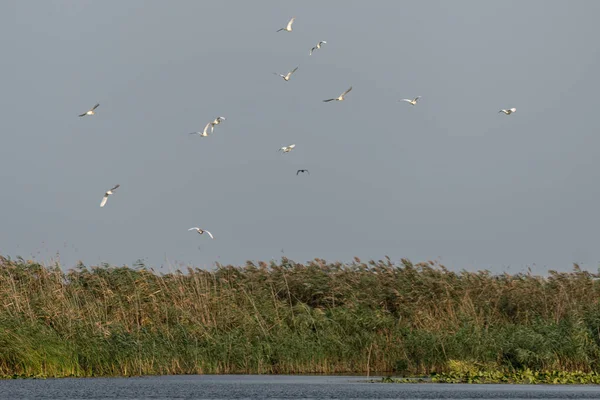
[526, 376]
[515, 377]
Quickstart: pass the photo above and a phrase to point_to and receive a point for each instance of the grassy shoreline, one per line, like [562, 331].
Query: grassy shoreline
[289, 318]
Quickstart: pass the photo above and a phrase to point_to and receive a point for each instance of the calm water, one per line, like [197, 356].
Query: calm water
[273, 387]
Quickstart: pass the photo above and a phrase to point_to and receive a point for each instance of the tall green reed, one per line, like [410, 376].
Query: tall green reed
[288, 317]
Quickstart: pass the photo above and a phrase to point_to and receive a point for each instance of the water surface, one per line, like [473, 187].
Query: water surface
[274, 387]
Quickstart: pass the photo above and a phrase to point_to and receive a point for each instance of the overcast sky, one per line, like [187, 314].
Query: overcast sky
[449, 179]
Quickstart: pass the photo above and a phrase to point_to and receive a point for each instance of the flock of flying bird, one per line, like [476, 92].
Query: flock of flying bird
[285, 149]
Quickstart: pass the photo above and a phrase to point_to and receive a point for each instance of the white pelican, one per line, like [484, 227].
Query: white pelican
[287, 149]
[303, 171]
[413, 101]
[204, 133]
[90, 111]
[509, 111]
[341, 96]
[288, 28]
[287, 76]
[317, 47]
[201, 231]
[108, 193]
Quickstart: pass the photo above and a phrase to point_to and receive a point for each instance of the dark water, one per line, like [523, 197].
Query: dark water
[273, 387]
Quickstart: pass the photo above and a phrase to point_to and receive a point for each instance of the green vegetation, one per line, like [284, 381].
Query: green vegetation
[470, 372]
[526, 376]
[286, 317]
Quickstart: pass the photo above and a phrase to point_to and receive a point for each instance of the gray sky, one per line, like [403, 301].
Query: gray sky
[449, 179]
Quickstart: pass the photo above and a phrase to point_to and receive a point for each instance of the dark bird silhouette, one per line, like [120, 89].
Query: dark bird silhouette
[303, 171]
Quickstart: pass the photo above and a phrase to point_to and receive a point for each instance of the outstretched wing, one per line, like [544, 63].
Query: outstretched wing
[289, 25]
[294, 70]
[210, 234]
[311, 51]
[96, 106]
[104, 200]
[193, 229]
[205, 131]
[328, 100]
[115, 187]
[83, 115]
[346, 92]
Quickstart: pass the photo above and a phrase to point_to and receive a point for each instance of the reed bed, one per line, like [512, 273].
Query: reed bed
[288, 317]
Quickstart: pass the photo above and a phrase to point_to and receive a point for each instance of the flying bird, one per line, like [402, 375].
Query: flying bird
[217, 121]
[204, 133]
[287, 76]
[413, 101]
[287, 149]
[288, 28]
[303, 171]
[509, 111]
[341, 96]
[108, 193]
[317, 47]
[90, 111]
[201, 231]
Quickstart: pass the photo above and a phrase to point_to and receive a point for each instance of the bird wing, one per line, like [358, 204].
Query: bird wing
[83, 115]
[115, 187]
[279, 30]
[104, 199]
[193, 229]
[417, 98]
[297, 172]
[328, 100]
[294, 70]
[346, 92]
[96, 106]
[289, 25]
[210, 234]
[206, 128]
[408, 100]
[311, 51]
